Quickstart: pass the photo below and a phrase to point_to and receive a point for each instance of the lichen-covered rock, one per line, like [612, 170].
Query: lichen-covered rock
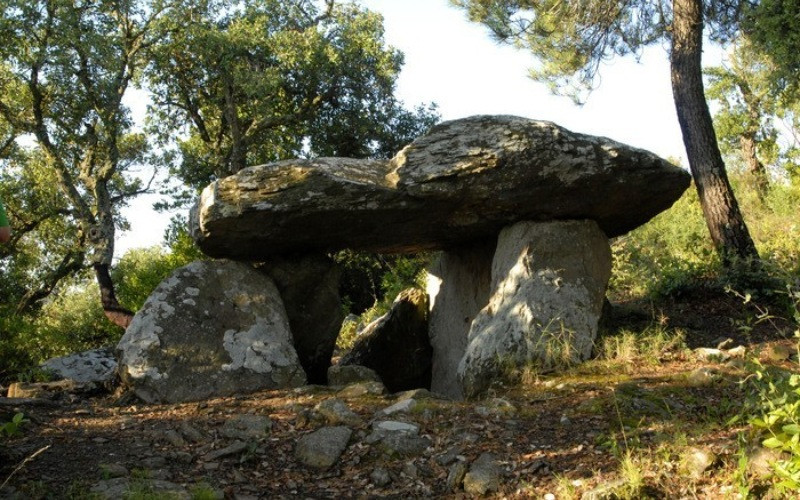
[212, 328]
[465, 180]
[483, 476]
[305, 206]
[548, 286]
[396, 345]
[96, 365]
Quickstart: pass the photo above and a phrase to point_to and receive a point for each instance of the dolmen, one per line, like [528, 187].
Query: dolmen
[521, 212]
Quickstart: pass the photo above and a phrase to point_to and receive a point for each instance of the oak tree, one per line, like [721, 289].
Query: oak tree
[245, 82]
[66, 67]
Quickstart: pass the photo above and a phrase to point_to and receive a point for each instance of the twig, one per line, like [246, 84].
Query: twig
[22, 464]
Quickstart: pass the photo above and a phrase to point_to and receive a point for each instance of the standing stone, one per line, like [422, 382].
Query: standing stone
[459, 285]
[309, 287]
[212, 328]
[548, 285]
[396, 345]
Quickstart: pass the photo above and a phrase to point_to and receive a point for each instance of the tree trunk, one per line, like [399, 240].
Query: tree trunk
[101, 238]
[720, 209]
[111, 307]
[755, 169]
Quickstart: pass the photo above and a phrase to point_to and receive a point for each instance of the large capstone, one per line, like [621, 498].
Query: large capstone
[548, 285]
[212, 328]
[465, 180]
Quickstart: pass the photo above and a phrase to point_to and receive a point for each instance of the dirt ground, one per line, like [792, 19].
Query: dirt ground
[611, 428]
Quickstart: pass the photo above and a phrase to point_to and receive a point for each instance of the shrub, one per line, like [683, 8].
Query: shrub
[674, 251]
[773, 409]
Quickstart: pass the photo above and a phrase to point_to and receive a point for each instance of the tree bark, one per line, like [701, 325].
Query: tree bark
[720, 209]
[111, 307]
[755, 169]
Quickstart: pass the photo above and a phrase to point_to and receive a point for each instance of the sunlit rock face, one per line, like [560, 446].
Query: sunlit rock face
[213, 328]
[465, 180]
[459, 285]
[548, 283]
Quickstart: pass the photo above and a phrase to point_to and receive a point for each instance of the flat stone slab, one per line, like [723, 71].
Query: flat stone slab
[464, 180]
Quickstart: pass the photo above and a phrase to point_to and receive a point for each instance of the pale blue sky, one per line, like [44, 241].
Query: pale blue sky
[454, 63]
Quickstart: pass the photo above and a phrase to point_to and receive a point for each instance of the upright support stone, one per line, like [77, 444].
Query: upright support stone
[309, 287]
[548, 284]
[459, 286]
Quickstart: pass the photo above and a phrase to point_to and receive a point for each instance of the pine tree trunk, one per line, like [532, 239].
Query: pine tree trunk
[720, 209]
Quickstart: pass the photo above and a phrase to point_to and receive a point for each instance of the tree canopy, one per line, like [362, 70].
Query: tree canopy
[234, 83]
[66, 67]
[242, 83]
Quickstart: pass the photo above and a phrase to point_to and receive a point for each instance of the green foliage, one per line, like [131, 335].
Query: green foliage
[772, 26]
[15, 355]
[668, 253]
[387, 277]
[672, 252]
[140, 270]
[753, 109]
[71, 321]
[66, 67]
[242, 83]
[369, 278]
[773, 408]
[776, 405]
[12, 428]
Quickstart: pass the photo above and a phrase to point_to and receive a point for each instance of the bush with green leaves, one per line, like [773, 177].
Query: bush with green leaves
[71, 319]
[673, 251]
[773, 409]
[386, 277]
[13, 426]
[667, 253]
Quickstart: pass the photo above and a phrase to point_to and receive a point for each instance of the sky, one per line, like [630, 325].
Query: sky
[456, 64]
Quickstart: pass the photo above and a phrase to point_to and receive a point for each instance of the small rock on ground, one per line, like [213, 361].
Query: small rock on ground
[351, 374]
[247, 427]
[380, 477]
[323, 447]
[483, 476]
[337, 412]
[696, 461]
[455, 476]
